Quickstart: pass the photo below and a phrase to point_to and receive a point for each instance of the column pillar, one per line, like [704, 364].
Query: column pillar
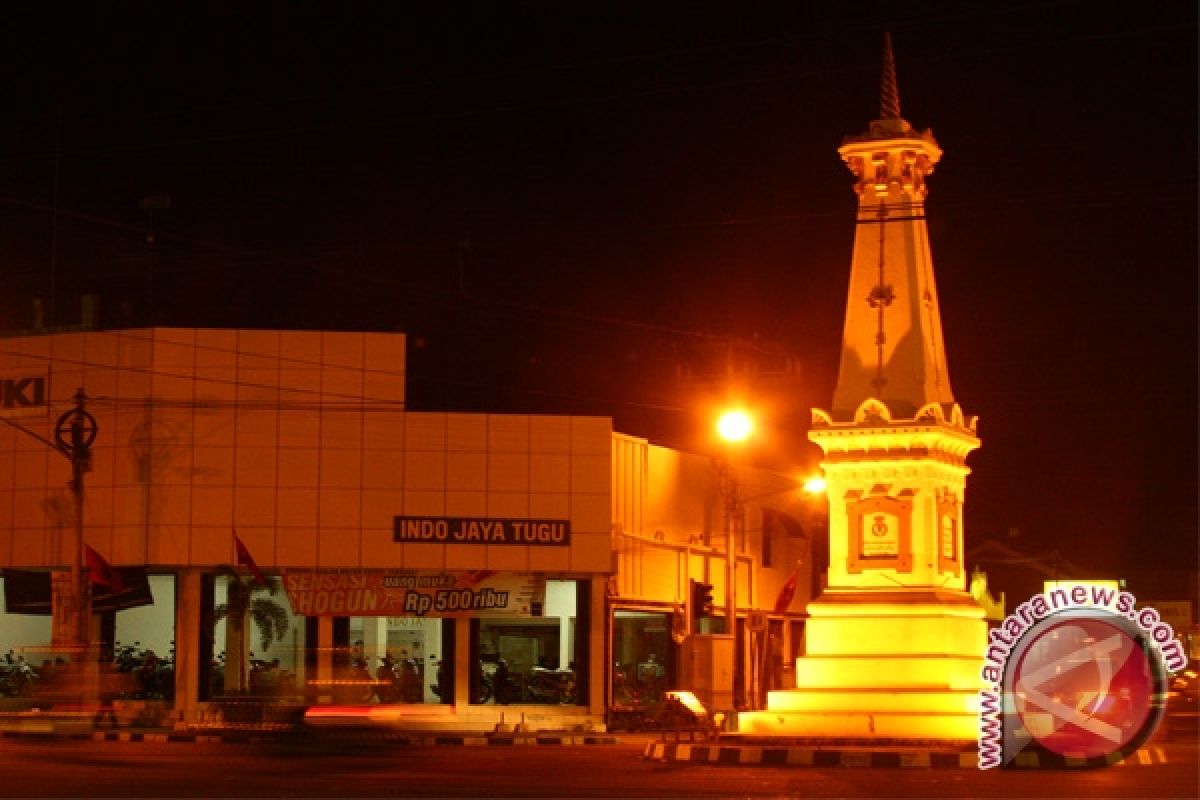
[375, 640]
[463, 668]
[187, 645]
[325, 659]
[597, 639]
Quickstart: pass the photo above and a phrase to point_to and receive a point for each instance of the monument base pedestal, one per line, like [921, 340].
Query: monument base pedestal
[888, 664]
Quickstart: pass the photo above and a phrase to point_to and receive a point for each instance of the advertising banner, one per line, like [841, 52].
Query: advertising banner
[406, 593]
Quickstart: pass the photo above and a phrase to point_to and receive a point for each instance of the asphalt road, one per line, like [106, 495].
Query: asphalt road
[105, 769]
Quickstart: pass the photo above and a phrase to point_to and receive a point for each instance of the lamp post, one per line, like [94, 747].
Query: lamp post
[74, 434]
[734, 427]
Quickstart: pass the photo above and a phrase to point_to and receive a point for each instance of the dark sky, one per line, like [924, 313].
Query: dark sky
[604, 207]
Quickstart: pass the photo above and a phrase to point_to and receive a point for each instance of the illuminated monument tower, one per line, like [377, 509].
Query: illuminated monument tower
[894, 643]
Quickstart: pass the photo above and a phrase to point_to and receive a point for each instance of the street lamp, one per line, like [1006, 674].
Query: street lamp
[74, 434]
[734, 427]
[815, 485]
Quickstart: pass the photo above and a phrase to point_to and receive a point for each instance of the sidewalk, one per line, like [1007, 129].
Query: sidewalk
[80, 726]
[730, 750]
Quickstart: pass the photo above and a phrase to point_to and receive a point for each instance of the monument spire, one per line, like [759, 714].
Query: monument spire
[889, 93]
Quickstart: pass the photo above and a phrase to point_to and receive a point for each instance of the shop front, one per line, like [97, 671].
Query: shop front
[307, 538]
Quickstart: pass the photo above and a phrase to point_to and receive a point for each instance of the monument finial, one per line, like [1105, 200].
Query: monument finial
[889, 94]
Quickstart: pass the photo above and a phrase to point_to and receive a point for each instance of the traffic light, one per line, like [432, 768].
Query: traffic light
[702, 599]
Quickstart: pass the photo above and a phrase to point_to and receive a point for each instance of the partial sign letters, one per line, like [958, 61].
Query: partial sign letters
[23, 395]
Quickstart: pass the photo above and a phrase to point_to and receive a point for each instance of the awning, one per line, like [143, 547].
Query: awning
[28, 592]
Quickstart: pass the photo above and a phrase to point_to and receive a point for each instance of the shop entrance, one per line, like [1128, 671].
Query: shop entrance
[643, 659]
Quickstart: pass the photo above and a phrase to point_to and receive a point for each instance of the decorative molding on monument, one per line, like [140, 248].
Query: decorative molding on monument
[881, 161]
[864, 602]
[939, 432]
[874, 413]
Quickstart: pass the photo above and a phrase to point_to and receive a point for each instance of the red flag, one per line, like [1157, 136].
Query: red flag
[102, 572]
[473, 578]
[246, 560]
[787, 593]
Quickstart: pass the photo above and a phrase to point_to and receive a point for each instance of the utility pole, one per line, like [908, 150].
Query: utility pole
[734, 427]
[74, 434]
[733, 517]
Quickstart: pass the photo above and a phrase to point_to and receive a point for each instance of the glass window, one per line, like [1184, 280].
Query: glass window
[399, 660]
[134, 625]
[529, 659]
[257, 642]
[643, 657]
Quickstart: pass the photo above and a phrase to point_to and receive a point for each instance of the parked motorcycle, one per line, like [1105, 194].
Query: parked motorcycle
[398, 681]
[267, 678]
[504, 687]
[152, 677]
[17, 678]
[481, 684]
[355, 685]
[440, 681]
[551, 686]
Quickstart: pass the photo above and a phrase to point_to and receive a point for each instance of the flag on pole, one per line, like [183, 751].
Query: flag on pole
[246, 560]
[102, 572]
[472, 579]
[787, 593]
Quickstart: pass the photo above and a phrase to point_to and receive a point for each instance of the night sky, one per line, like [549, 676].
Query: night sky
[609, 208]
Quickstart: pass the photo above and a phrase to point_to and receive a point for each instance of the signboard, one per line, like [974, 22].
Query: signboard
[406, 593]
[1089, 585]
[949, 539]
[881, 535]
[24, 395]
[1176, 613]
[483, 530]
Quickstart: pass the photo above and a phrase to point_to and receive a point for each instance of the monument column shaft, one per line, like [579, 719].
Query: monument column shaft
[892, 346]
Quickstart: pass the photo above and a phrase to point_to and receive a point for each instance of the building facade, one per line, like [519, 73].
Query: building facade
[299, 532]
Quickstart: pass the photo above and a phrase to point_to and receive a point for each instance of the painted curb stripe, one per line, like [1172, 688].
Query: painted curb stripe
[750, 755]
[774, 755]
[799, 757]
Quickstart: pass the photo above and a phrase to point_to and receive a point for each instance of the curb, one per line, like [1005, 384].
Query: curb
[257, 737]
[745, 755]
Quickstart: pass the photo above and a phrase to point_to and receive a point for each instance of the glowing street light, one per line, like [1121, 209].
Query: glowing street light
[735, 426]
[815, 485]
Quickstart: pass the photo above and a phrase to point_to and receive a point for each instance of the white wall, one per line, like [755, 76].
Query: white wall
[153, 625]
[22, 630]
